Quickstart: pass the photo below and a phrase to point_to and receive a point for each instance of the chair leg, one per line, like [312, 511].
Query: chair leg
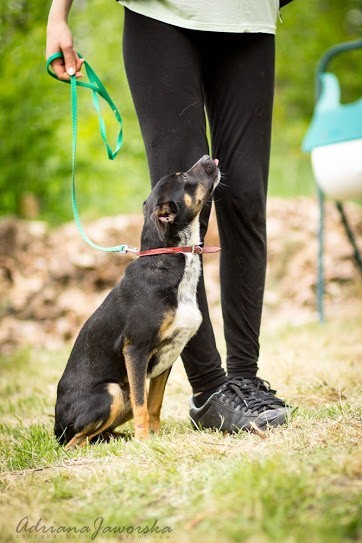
[320, 271]
[350, 235]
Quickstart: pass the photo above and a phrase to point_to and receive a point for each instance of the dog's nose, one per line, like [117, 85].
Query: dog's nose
[207, 163]
[206, 158]
[210, 165]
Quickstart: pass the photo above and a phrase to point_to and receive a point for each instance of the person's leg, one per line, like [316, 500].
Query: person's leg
[164, 73]
[239, 88]
[239, 82]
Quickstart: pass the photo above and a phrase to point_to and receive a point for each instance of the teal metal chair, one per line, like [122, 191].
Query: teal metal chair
[334, 139]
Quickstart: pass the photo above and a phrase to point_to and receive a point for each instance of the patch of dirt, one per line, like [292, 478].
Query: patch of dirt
[51, 281]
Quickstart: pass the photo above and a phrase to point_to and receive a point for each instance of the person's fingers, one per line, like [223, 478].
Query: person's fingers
[69, 58]
[78, 62]
[78, 66]
[59, 69]
[59, 38]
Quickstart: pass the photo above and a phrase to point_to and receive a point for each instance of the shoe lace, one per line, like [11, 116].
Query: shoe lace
[255, 394]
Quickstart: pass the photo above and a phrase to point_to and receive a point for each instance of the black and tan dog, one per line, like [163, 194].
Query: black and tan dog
[144, 323]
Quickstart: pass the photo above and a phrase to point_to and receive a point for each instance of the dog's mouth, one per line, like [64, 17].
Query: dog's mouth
[214, 173]
[210, 166]
[216, 162]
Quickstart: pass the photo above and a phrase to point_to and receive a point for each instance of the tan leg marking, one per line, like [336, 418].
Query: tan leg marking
[155, 399]
[136, 372]
[117, 406]
[141, 420]
[166, 323]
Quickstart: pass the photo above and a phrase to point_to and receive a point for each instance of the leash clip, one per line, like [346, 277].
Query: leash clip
[126, 249]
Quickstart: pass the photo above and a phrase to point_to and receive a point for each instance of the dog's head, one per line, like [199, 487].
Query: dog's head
[178, 198]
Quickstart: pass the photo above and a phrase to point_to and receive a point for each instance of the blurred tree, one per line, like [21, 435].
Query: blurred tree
[308, 30]
[35, 118]
[28, 119]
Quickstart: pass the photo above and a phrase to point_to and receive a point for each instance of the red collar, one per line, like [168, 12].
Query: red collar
[194, 249]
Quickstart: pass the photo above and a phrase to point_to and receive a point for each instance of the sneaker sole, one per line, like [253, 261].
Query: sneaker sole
[264, 420]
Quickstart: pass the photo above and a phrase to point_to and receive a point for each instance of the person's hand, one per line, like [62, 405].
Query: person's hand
[59, 39]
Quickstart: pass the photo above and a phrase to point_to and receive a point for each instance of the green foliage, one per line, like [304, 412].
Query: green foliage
[308, 30]
[35, 130]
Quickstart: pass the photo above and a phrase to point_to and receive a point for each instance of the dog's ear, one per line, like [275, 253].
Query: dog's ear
[164, 215]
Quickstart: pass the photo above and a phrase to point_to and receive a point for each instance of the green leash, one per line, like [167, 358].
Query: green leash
[97, 88]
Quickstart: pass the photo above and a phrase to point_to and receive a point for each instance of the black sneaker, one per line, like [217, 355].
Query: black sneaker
[239, 404]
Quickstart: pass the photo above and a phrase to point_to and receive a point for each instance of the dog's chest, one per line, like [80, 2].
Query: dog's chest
[185, 322]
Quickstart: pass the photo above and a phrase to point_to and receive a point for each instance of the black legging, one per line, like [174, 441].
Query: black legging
[174, 73]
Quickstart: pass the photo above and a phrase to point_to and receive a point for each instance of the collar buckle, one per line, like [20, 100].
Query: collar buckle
[197, 249]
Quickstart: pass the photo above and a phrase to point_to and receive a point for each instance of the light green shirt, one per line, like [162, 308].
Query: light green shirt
[215, 15]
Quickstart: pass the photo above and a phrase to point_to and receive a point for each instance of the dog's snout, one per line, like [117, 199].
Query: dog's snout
[210, 166]
[204, 158]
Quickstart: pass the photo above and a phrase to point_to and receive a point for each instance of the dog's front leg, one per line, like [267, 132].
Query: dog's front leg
[155, 398]
[136, 360]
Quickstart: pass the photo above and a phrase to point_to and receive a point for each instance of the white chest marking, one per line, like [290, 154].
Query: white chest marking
[187, 317]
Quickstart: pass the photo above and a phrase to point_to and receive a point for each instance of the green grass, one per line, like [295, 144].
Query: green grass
[301, 482]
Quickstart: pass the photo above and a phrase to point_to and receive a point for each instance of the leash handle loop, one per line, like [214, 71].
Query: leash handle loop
[97, 88]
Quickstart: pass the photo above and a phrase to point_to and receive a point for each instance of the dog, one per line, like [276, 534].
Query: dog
[145, 321]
